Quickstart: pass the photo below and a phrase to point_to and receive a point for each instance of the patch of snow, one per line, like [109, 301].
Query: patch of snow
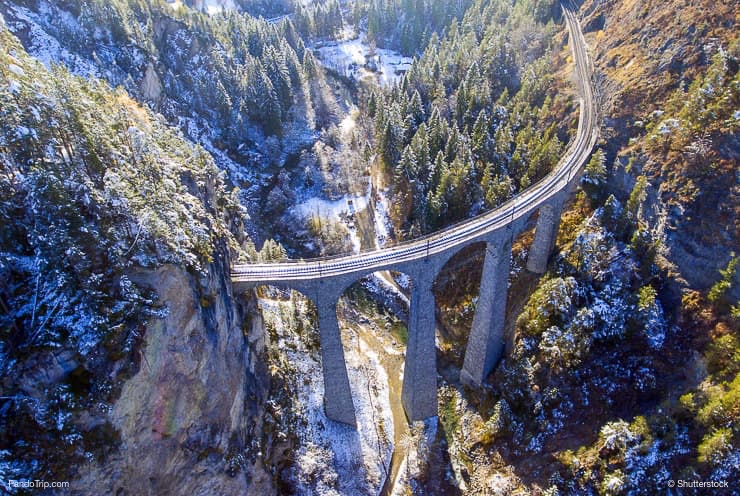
[333, 209]
[655, 326]
[345, 53]
[645, 463]
[399, 484]
[337, 210]
[353, 59]
[417, 447]
[354, 238]
[382, 278]
[617, 435]
[667, 126]
[404, 281]
[16, 70]
[211, 7]
[392, 65]
[217, 6]
[45, 47]
[382, 218]
[333, 458]
[348, 123]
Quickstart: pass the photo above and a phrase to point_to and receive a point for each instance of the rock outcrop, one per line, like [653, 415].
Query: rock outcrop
[642, 54]
[186, 418]
[151, 86]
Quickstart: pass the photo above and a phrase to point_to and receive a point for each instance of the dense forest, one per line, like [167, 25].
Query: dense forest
[406, 25]
[477, 118]
[245, 89]
[236, 79]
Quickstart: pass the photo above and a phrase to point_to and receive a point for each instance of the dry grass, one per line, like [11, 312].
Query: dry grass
[647, 47]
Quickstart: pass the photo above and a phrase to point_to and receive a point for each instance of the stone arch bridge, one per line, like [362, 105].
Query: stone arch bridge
[324, 280]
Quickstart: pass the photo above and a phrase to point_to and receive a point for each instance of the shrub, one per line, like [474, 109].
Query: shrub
[613, 483]
[723, 405]
[617, 436]
[638, 195]
[715, 446]
[594, 178]
[718, 294]
[723, 355]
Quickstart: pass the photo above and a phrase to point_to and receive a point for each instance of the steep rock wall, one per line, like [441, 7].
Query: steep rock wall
[187, 419]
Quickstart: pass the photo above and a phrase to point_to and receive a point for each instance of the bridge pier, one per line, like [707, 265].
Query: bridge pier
[338, 404]
[486, 341]
[545, 234]
[419, 390]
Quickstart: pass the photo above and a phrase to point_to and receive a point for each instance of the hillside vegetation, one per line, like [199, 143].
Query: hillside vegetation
[93, 189]
[141, 139]
[246, 90]
[623, 370]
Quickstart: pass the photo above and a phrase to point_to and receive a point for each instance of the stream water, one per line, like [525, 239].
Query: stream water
[392, 361]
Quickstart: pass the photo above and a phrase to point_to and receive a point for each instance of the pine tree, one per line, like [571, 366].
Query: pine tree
[481, 142]
[407, 166]
[372, 105]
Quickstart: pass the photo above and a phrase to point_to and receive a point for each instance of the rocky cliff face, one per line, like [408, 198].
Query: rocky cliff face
[121, 346]
[151, 86]
[187, 418]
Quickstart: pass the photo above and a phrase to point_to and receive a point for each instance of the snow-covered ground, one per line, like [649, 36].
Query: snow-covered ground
[382, 282]
[352, 59]
[416, 451]
[332, 458]
[45, 47]
[392, 65]
[382, 218]
[331, 209]
[210, 6]
[341, 210]
[349, 123]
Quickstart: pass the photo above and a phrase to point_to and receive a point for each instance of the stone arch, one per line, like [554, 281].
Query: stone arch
[346, 283]
[338, 404]
[459, 275]
[489, 259]
[387, 283]
[383, 310]
[443, 259]
[419, 388]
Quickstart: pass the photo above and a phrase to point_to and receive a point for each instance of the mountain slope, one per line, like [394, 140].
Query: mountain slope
[622, 374]
[100, 200]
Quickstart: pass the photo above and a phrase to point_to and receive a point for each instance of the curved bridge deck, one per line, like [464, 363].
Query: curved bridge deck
[324, 280]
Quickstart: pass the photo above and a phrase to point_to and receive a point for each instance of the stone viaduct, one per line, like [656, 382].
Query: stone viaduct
[324, 281]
